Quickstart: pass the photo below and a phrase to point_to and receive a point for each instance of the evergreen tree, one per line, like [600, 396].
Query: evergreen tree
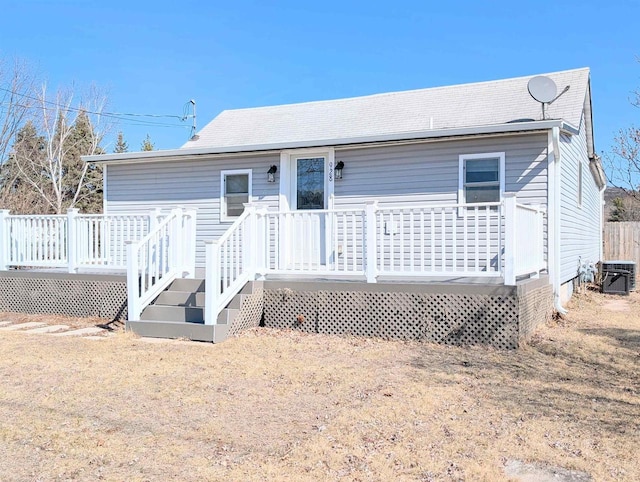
[618, 212]
[82, 183]
[121, 144]
[16, 193]
[147, 145]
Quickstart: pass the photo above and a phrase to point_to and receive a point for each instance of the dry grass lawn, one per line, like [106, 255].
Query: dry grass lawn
[278, 405]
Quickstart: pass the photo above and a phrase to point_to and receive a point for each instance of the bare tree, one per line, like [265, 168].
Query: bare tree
[16, 100]
[624, 161]
[68, 130]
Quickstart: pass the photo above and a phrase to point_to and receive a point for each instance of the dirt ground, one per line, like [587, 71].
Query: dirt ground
[282, 405]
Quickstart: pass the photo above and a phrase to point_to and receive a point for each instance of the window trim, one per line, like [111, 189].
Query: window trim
[223, 192]
[580, 183]
[485, 155]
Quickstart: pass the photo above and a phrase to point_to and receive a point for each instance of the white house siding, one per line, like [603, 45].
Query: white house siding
[415, 173]
[187, 183]
[579, 225]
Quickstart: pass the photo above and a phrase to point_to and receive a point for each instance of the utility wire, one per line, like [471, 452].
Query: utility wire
[133, 122]
[109, 115]
[115, 115]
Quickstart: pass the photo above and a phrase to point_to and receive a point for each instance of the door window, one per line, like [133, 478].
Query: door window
[310, 183]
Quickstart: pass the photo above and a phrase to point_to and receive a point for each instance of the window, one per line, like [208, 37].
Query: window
[235, 191]
[481, 178]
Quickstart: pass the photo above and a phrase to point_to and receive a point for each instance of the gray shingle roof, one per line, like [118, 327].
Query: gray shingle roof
[457, 106]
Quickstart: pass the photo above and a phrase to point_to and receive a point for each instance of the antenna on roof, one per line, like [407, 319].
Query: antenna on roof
[192, 132]
[544, 90]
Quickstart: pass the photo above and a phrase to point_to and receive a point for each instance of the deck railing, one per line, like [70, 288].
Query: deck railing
[312, 242]
[38, 241]
[153, 262]
[70, 241]
[524, 240]
[458, 239]
[101, 239]
[230, 264]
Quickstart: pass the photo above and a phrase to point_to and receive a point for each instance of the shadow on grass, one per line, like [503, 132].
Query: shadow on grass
[580, 383]
[627, 338]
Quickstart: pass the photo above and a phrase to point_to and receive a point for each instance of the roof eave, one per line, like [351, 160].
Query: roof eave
[130, 157]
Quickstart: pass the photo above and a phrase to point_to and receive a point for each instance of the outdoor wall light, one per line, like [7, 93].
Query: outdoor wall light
[271, 173]
[338, 169]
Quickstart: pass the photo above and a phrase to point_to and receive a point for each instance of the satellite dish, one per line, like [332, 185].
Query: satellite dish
[542, 89]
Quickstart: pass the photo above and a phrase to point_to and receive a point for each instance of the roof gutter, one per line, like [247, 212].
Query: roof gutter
[428, 134]
[597, 171]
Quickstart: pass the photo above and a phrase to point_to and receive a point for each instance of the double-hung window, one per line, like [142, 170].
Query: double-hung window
[235, 191]
[481, 178]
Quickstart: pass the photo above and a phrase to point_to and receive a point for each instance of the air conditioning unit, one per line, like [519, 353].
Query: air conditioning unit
[618, 266]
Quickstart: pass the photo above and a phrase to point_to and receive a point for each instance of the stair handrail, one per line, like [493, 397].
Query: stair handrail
[161, 262]
[225, 277]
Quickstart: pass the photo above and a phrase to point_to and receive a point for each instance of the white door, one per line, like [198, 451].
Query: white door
[309, 196]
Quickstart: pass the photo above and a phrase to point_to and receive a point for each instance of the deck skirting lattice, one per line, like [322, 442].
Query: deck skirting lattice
[250, 314]
[499, 318]
[69, 296]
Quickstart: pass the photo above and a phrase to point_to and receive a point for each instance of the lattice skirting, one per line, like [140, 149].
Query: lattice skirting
[104, 297]
[500, 318]
[251, 310]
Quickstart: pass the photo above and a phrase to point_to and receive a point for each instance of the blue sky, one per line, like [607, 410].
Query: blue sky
[152, 57]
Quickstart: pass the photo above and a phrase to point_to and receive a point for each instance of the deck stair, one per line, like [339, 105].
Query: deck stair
[178, 312]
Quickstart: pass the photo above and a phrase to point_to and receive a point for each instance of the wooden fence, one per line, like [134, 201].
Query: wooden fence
[622, 241]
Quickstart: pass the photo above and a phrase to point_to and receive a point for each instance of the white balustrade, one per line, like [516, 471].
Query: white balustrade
[73, 240]
[524, 240]
[229, 263]
[100, 239]
[456, 239]
[154, 261]
[314, 242]
[38, 240]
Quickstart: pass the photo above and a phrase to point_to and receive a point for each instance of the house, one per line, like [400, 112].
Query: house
[458, 214]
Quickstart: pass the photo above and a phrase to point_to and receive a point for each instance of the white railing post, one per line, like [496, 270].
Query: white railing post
[539, 239]
[261, 242]
[371, 266]
[510, 233]
[176, 241]
[154, 217]
[212, 282]
[249, 242]
[5, 247]
[190, 243]
[133, 282]
[72, 240]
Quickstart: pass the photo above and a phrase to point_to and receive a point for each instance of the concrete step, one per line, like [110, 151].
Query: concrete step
[251, 287]
[180, 298]
[173, 329]
[237, 300]
[173, 313]
[187, 284]
[227, 316]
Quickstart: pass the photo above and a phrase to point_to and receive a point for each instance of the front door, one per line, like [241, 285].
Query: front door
[309, 199]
